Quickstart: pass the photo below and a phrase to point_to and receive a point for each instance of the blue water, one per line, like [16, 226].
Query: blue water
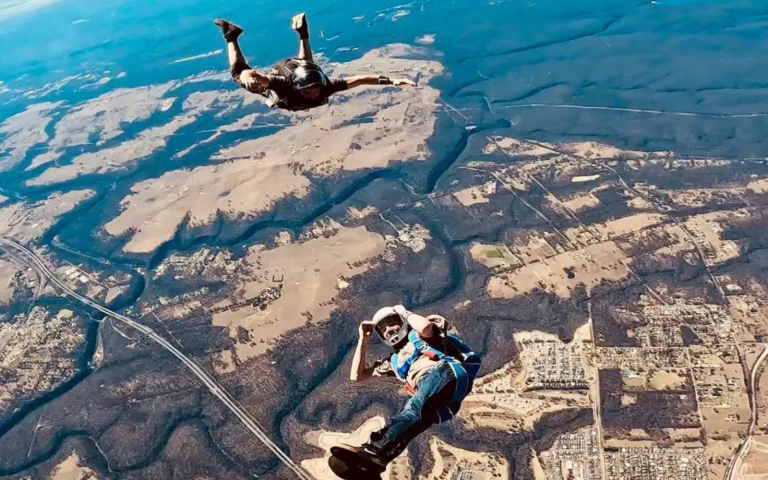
[636, 57]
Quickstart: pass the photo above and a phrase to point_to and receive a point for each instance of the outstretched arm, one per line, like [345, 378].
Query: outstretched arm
[359, 373]
[360, 80]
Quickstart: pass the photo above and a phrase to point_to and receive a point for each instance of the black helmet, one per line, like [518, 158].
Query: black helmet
[386, 317]
[308, 75]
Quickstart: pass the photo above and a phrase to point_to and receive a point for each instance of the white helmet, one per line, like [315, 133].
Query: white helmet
[388, 316]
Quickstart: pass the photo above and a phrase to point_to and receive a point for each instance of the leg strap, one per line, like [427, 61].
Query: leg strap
[462, 381]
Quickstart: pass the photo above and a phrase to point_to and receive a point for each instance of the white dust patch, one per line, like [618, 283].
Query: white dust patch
[585, 178]
[427, 39]
[70, 469]
[103, 117]
[198, 57]
[126, 153]
[22, 131]
[256, 174]
[24, 221]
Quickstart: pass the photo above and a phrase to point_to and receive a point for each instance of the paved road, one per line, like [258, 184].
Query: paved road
[213, 386]
[733, 468]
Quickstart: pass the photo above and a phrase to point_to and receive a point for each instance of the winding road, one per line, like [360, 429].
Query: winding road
[213, 386]
[733, 467]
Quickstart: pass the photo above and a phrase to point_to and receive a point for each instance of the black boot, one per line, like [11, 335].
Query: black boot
[229, 30]
[367, 455]
[299, 23]
[377, 435]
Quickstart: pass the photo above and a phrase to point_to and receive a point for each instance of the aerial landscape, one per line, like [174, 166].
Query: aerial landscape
[580, 188]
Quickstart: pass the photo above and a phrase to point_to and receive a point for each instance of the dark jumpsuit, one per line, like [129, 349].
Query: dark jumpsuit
[280, 92]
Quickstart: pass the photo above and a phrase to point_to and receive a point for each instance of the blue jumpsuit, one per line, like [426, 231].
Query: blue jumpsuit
[436, 398]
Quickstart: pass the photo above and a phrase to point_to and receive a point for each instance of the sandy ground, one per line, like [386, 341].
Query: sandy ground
[700, 197]
[723, 436]
[680, 242]
[682, 438]
[474, 195]
[519, 147]
[23, 131]
[360, 213]
[517, 411]
[585, 178]
[589, 266]
[656, 380]
[665, 380]
[626, 225]
[156, 208]
[7, 272]
[614, 229]
[758, 186]
[70, 469]
[762, 398]
[582, 202]
[536, 249]
[536, 468]
[454, 462]
[27, 221]
[708, 232]
[318, 467]
[498, 399]
[244, 123]
[224, 362]
[754, 465]
[535, 336]
[142, 146]
[104, 117]
[598, 150]
[638, 438]
[310, 273]
[639, 203]
[257, 173]
[494, 256]
[683, 434]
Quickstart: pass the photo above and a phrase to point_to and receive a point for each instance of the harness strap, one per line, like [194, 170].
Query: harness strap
[462, 381]
[465, 368]
[402, 370]
[444, 414]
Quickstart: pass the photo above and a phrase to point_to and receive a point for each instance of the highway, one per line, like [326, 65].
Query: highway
[213, 386]
[733, 467]
[594, 388]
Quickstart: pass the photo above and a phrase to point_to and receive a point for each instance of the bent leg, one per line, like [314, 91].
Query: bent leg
[231, 33]
[305, 51]
[234, 54]
[237, 62]
[416, 416]
[300, 24]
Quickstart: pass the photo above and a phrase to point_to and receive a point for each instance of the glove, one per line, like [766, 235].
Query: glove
[440, 322]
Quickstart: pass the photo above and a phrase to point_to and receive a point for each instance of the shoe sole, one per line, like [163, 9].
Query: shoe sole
[231, 25]
[299, 21]
[355, 459]
[349, 470]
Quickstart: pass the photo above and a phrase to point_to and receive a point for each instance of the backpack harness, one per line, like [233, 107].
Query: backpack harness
[285, 69]
[465, 370]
